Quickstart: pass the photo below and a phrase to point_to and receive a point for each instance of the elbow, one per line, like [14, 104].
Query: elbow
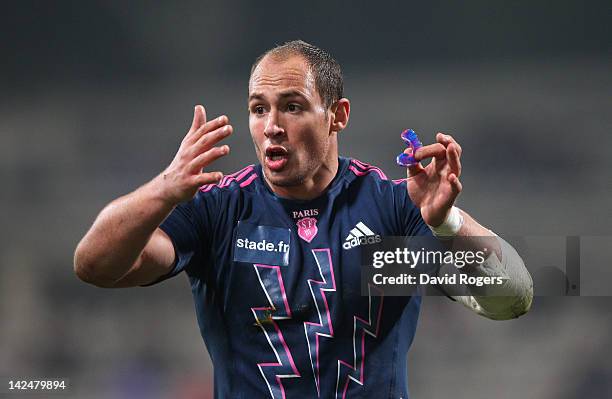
[88, 271]
[503, 307]
[80, 265]
[518, 308]
[523, 305]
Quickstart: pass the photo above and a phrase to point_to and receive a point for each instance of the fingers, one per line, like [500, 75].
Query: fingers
[446, 140]
[455, 184]
[208, 140]
[212, 125]
[415, 169]
[205, 127]
[208, 157]
[446, 148]
[436, 150]
[209, 178]
[199, 118]
[453, 152]
[453, 157]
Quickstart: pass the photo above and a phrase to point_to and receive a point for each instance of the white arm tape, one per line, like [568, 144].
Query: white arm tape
[510, 300]
[451, 225]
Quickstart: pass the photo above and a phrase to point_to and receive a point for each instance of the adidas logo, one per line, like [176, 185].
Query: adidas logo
[360, 235]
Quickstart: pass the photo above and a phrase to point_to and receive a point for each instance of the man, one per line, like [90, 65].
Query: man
[275, 278]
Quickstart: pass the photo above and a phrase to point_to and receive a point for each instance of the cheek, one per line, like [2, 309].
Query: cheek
[319, 140]
[314, 147]
[256, 128]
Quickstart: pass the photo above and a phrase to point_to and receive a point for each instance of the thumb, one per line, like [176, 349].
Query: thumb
[199, 118]
[414, 168]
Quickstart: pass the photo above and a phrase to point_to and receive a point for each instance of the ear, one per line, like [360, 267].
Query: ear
[340, 112]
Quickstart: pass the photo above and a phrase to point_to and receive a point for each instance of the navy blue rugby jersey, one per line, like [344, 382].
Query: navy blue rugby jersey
[277, 290]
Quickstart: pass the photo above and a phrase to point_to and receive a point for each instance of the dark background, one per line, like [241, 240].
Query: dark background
[96, 96]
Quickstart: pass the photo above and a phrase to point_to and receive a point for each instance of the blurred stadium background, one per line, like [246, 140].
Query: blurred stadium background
[97, 95]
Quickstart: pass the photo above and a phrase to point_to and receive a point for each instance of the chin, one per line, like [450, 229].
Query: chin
[283, 179]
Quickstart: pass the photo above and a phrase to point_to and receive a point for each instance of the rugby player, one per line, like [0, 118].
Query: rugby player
[271, 251]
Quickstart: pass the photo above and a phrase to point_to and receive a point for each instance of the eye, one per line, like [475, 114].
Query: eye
[258, 110]
[293, 107]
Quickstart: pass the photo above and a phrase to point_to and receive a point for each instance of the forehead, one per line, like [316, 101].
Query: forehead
[273, 75]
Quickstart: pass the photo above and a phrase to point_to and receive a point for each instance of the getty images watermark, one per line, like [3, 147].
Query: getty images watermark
[558, 265]
[414, 258]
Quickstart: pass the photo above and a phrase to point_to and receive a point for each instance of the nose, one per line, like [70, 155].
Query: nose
[272, 125]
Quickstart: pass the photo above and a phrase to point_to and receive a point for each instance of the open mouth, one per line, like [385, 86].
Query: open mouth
[276, 157]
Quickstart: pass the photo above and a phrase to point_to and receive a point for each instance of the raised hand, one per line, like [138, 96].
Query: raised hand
[188, 170]
[435, 187]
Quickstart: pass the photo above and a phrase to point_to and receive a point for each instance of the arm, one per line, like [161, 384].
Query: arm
[510, 300]
[125, 247]
[434, 189]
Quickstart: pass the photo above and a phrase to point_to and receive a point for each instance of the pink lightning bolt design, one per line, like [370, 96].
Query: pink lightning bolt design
[361, 327]
[324, 327]
[271, 281]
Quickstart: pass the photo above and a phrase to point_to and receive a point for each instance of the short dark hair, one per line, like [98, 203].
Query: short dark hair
[326, 70]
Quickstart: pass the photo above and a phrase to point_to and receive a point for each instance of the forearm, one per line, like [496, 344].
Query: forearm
[116, 240]
[479, 236]
[512, 298]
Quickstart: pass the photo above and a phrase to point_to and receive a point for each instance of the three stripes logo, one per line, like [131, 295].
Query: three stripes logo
[360, 235]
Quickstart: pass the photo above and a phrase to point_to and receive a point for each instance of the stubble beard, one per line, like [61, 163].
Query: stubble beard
[291, 180]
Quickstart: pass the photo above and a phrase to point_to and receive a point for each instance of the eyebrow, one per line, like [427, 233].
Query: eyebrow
[285, 94]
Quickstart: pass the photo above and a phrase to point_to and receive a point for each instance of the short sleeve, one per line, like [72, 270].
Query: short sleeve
[189, 226]
[410, 221]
